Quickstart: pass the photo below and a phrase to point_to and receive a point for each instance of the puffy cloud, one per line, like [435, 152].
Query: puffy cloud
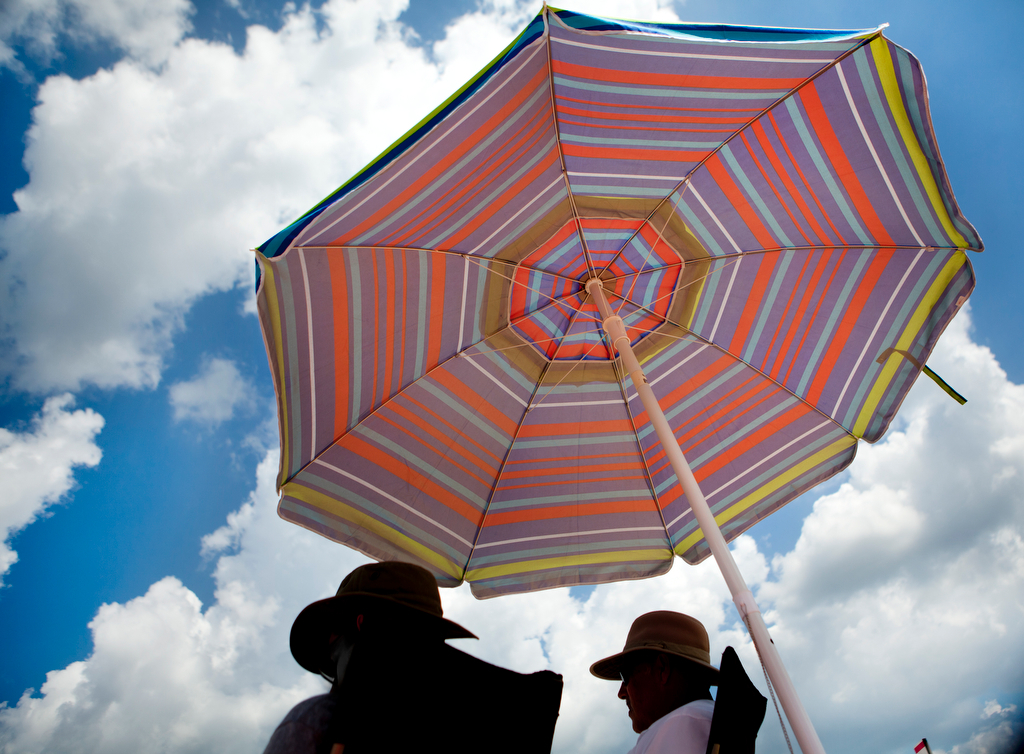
[147, 186]
[213, 395]
[146, 29]
[917, 635]
[37, 466]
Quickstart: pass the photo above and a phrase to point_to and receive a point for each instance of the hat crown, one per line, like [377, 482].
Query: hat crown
[673, 632]
[404, 583]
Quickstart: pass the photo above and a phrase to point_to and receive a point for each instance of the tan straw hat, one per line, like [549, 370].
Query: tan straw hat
[661, 631]
[404, 592]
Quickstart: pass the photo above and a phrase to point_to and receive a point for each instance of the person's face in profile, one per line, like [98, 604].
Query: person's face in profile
[642, 692]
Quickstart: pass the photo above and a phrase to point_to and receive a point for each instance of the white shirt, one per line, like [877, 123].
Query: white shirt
[684, 730]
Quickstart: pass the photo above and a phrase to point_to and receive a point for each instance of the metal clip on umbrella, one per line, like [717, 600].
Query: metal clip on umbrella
[741, 594]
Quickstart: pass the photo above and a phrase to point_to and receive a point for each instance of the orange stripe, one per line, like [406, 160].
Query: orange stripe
[623, 127]
[614, 153]
[787, 181]
[342, 316]
[644, 118]
[451, 195]
[631, 106]
[581, 479]
[376, 329]
[480, 405]
[838, 341]
[674, 80]
[436, 309]
[569, 430]
[503, 162]
[389, 325]
[554, 470]
[525, 91]
[739, 202]
[751, 441]
[803, 178]
[413, 478]
[511, 192]
[771, 184]
[817, 309]
[765, 268]
[446, 443]
[441, 421]
[841, 165]
[567, 511]
[790, 331]
[446, 439]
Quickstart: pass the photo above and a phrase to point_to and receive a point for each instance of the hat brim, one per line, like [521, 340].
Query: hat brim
[609, 668]
[312, 629]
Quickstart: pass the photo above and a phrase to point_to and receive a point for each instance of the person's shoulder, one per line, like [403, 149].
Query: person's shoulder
[684, 730]
[315, 707]
[303, 726]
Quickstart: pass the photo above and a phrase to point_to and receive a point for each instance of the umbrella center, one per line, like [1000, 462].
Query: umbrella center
[550, 307]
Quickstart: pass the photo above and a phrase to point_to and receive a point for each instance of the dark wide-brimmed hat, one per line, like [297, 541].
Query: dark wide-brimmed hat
[402, 592]
[661, 631]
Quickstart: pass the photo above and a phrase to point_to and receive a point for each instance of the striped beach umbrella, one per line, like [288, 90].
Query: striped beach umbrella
[620, 250]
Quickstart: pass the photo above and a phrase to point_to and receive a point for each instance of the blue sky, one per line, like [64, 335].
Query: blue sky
[146, 146]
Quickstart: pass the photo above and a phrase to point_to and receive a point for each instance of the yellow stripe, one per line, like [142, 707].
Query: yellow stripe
[887, 76]
[761, 493]
[357, 517]
[525, 566]
[907, 338]
[269, 288]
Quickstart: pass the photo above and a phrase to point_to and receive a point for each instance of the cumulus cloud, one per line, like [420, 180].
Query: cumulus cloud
[145, 29]
[213, 395]
[925, 643]
[37, 466]
[147, 186]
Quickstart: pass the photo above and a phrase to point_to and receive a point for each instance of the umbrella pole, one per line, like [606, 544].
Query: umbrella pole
[741, 594]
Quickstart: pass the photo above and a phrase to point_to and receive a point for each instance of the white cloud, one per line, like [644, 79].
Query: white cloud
[37, 466]
[927, 643]
[213, 395]
[145, 29]
[147, 187]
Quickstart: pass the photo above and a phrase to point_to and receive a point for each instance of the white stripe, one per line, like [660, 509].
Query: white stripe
[497, 382]
[767, 458]
[394, 500]
[414, 160]
[874, 154]
[871, 337]
[312, 370]
[676, 519]
[697, 56]
[525, 207]
[462, 316]
[545, 404]
[569, 534]
[624, 175]
[735, 267]
[679, 365]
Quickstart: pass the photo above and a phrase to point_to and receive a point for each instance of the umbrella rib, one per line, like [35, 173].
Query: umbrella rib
[701, 339]
[558, 142]
[686, 179]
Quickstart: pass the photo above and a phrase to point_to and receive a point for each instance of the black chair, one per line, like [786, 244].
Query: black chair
[739, 709]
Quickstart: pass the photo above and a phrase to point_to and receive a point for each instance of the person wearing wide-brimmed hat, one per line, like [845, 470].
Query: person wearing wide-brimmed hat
[666, 676]
[385, 628]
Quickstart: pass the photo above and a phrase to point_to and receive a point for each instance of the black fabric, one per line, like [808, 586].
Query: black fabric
[739, 709]
[434, 697]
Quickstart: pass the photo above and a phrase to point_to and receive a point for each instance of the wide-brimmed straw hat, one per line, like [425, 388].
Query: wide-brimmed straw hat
[661, 631]
[402, 592]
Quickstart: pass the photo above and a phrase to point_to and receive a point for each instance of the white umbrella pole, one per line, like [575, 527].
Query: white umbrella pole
[741, 594]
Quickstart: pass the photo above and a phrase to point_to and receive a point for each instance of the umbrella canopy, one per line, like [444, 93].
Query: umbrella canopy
[765, 209]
